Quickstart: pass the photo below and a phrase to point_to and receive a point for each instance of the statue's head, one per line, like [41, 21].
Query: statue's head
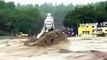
[49, 23]
[49, 14]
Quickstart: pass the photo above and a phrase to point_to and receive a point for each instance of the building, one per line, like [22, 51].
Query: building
[104, 23]
[86, 29]
[91, 29]
[104, 30]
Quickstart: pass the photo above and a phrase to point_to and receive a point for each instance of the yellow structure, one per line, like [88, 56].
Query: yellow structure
[86, 30]
[90, 30]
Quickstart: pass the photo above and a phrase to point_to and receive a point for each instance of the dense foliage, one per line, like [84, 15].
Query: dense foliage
[91, 13]
[29, 18]
[16, 19]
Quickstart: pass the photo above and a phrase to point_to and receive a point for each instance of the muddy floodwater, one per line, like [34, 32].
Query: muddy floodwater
[73, 49]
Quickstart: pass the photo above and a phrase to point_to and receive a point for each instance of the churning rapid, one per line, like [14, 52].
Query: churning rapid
[74, 49]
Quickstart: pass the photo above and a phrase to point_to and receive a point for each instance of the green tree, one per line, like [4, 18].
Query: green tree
[21, 18]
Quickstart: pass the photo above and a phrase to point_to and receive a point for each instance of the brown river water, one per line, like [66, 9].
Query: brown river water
[73, 49]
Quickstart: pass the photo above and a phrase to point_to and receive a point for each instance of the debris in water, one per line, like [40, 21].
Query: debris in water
[49, 38]
[64, 51]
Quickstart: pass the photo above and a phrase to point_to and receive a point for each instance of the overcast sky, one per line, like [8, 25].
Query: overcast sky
[74, 2]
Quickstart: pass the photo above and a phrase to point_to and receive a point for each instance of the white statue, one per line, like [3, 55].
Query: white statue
[48, 25]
